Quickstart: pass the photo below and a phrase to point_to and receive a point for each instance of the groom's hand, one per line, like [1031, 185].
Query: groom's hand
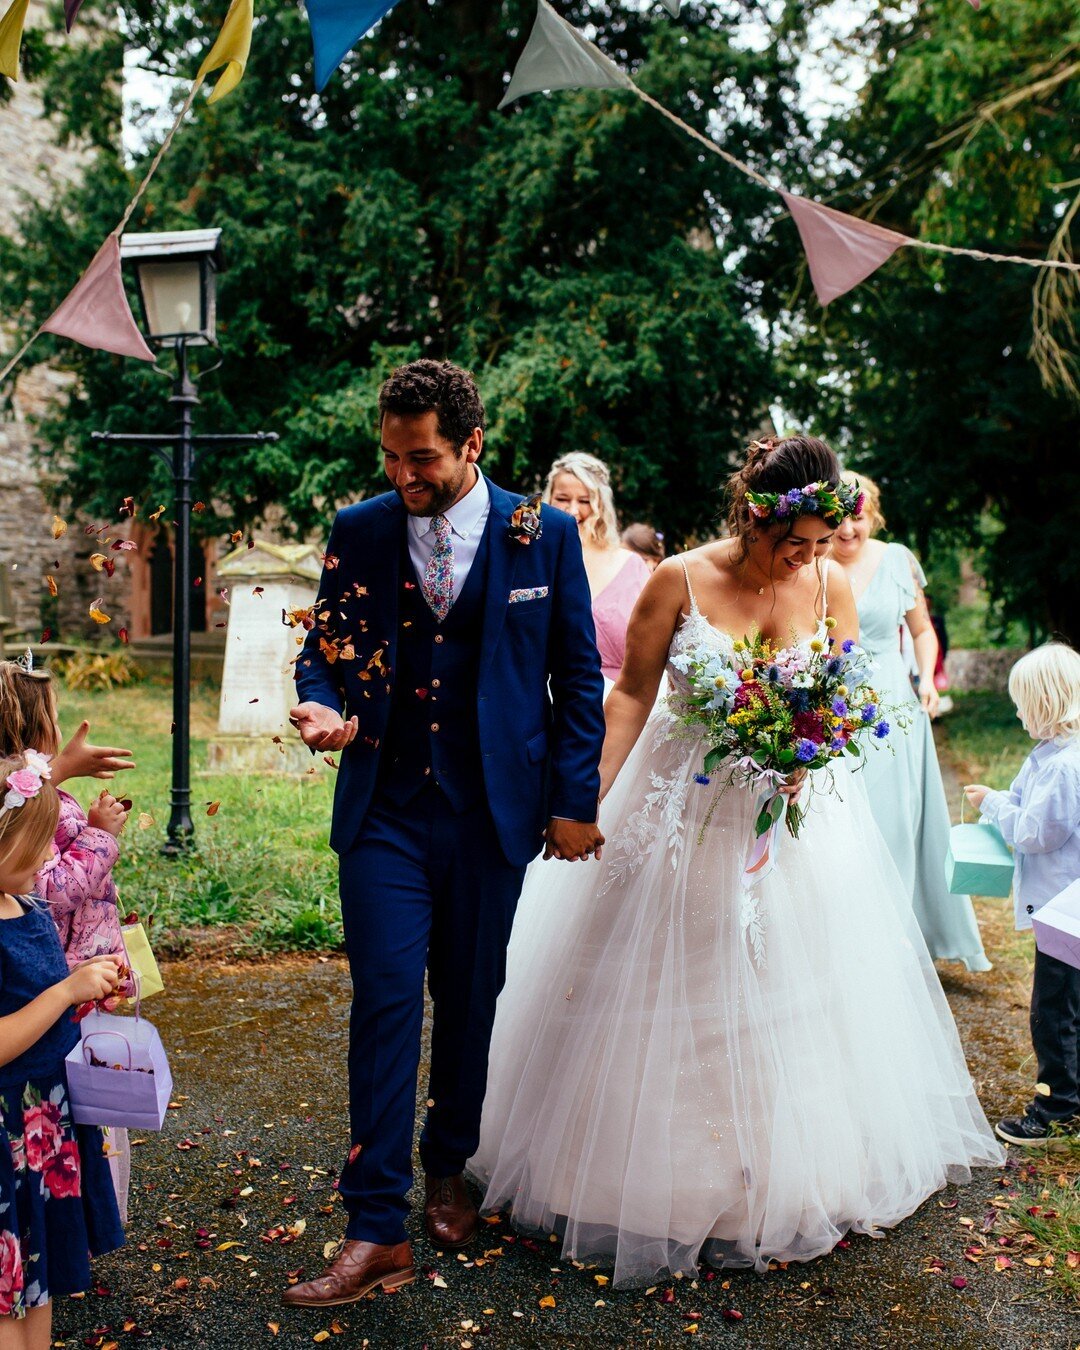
[321, 728]
[572, 840]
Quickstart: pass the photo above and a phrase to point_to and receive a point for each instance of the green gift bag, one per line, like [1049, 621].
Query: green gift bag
[978, 861]
[141, 959]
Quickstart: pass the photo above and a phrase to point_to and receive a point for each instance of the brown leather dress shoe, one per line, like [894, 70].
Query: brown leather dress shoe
[359, 1268]
[450, 1216]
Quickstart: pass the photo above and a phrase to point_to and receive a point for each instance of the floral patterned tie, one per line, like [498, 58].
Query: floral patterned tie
[438, 584]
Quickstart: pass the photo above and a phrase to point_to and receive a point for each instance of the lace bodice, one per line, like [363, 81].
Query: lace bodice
[695, 631]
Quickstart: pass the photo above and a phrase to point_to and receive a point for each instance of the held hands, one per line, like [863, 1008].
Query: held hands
[93, 980]
[107, 814]
[79, 760]
[572, 840]
[975, 792]
[321, 728]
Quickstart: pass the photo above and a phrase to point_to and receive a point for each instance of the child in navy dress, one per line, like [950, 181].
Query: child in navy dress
[57, 1204]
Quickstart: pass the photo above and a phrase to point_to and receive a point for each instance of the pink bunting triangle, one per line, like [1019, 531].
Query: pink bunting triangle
[96, 313]
[840, 249]
[71, 11]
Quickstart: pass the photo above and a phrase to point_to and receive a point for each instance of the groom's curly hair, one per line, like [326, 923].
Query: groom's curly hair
[435, 386]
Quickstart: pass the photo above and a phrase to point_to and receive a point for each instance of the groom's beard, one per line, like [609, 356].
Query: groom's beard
[437, 498]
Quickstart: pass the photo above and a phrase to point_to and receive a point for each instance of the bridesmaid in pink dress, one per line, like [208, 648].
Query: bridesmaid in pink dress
[580, 484]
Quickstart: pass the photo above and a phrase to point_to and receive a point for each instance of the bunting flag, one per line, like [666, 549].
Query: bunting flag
[841, 250]
[556, 56]
[96, 313]
[71, 10]
[336, 27]
[230, 50]
[673, 6]
[11, 31]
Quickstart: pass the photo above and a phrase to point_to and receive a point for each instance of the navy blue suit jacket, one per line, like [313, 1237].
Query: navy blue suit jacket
[540, 690]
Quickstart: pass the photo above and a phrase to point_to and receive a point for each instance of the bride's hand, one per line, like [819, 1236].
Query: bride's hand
[793, 785]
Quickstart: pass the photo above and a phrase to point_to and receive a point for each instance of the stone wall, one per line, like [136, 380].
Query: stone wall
[987, 668]
[36, 167]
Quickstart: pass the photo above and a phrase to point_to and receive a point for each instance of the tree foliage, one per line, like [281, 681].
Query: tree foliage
[966, 133]
[569, 250]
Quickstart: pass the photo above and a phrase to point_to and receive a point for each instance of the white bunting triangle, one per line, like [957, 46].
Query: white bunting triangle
[556, 56]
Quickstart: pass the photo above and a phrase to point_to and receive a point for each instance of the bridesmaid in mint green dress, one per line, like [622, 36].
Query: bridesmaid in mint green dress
[902, 776]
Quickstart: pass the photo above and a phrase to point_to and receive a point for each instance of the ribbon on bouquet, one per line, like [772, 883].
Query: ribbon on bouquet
[761, 858]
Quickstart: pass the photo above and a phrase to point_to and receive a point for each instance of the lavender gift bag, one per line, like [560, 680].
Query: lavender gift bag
[118, 1073]
[1057, 926]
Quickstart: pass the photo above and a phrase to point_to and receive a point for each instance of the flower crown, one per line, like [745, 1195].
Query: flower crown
[832, 503]
[26, 782]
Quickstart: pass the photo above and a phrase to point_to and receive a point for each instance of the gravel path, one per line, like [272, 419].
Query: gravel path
[235, 1195]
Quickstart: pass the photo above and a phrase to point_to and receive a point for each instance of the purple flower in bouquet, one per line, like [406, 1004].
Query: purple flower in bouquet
[837, 744]
[848, 645]
[839, 707]
[703, 779]
[805, 751]
[834, 665]
[869, 712]
[881, 730]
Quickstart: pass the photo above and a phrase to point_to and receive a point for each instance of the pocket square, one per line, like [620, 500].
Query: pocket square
[531, 593]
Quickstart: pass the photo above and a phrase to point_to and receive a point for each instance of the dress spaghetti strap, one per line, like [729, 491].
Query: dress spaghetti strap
[689, 588]
[823, 576]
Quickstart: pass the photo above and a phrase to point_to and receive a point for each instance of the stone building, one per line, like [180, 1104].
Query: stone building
[138, 595]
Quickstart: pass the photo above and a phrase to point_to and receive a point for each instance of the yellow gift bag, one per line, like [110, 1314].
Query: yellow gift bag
[141, 959]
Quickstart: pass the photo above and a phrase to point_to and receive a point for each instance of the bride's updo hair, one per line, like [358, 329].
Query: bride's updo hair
[777, 464]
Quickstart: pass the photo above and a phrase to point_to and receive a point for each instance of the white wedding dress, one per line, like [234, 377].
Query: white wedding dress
[683, 1068]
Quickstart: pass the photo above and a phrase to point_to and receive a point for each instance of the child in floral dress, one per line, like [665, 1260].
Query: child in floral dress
[57, 1205]
[76, 881]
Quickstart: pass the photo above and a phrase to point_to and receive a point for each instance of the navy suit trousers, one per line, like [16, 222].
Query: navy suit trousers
[422, 887]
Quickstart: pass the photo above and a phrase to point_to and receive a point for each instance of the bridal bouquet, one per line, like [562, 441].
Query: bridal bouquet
[770, 712]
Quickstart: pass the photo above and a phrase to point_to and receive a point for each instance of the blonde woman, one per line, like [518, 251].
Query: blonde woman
[580, 485]
[903, 780]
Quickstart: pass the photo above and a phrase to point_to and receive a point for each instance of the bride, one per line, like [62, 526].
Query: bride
[684, 1068]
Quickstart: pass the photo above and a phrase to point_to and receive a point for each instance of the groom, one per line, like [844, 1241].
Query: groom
[453, 664]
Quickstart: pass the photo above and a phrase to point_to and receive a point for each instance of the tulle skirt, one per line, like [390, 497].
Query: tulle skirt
[684, 1068]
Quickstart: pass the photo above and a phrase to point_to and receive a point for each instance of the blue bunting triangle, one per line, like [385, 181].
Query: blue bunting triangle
[336, 27]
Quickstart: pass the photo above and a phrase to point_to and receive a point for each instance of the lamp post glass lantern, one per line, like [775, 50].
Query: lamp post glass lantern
[176, 276]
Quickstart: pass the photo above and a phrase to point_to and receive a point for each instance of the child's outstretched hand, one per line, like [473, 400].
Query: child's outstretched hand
[79, 760]
[94, 979]
[107, 813]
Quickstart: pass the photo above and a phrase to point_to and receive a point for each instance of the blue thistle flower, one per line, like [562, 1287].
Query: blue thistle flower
[881, 730]
[834, 665]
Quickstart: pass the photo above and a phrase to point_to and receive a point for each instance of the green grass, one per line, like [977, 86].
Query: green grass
[1043, 1219]
[984, 738]
[261, 866]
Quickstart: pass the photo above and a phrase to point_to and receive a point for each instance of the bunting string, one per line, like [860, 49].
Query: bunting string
[980, 255]
[155, 164]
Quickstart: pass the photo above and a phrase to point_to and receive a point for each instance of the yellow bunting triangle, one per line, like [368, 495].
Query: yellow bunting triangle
[11, 31]
[231, 49]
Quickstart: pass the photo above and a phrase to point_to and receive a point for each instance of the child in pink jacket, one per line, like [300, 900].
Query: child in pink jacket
[77, 883]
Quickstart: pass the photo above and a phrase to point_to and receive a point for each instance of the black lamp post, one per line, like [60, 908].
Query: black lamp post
[176, 274]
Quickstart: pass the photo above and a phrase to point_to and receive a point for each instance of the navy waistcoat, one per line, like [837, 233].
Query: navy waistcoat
[433, 732]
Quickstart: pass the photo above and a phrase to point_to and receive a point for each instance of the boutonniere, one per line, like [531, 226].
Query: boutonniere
[525, 523]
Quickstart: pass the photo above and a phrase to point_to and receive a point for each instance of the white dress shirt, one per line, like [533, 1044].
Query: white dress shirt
[467, 518]
[1039, 817]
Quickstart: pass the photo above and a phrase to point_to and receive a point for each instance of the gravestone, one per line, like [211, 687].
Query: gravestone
[257, 687]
